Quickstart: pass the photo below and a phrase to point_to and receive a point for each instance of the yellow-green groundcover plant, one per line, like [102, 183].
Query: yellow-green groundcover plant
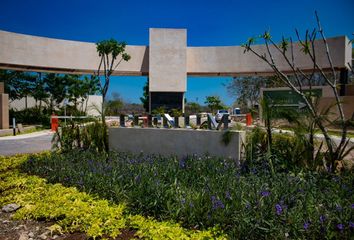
[72, 210]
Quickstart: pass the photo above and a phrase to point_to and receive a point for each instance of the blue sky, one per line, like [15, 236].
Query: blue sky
[208, 23]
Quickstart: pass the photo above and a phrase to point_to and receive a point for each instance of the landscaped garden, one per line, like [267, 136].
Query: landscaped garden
[208, 197]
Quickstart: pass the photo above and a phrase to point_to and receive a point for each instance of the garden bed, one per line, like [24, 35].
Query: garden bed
[76, 212]
[202, 193]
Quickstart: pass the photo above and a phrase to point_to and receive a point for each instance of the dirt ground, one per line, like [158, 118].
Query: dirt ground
[37, 230]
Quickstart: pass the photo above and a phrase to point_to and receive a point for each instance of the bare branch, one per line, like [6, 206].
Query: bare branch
[117, 64]
[326, 46]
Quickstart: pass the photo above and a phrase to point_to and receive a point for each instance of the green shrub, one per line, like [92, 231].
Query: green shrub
[89, 136]
[31, 116]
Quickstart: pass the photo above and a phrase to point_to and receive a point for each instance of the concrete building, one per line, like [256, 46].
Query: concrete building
[167, 61]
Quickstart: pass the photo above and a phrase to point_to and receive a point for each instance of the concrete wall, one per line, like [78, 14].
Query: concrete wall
[4, 111]
[167, 60]
[92, 101]
[347, 104]
[31, 53]
[233, 61]
[177, 142]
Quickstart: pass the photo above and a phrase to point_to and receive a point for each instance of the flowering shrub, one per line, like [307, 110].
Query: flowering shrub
[200, 193]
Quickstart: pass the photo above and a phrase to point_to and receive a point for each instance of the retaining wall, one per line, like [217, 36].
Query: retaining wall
[176, 142]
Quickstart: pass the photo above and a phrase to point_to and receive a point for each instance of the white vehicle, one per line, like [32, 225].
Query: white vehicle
[219, 114]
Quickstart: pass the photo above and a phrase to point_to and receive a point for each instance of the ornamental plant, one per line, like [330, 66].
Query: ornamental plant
[206, 192]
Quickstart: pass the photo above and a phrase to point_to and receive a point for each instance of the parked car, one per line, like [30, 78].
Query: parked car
[219, 114]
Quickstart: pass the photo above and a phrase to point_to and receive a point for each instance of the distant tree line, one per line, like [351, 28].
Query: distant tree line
[49, 88]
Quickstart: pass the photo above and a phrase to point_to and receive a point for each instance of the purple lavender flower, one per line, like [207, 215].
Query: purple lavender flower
[182, 163]
[306, 225]
[183, 201]
[228, 195]
[217, 203]
[265, 193]
[340, 226]
[300, 190]
[137, 178]
[352, 206]
[339, 208]
[322, 219]
[351, 225]
[278, 209]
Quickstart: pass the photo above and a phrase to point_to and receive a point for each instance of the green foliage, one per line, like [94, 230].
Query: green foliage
[193, 107]
[145, 98]
[56, 87]
[108, 51]
[86, 136]
[159, 110]
[71, 210]
[284, 44]
[214, 103]
[202, 192]
[176, 112]
[247, 89]
[18, 84]
[114, 106]
[335, 152]
[226, 137]
[31, 116]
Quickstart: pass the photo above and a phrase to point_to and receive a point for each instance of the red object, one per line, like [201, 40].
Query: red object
[54, 123]
[248, 119]
[145, 121]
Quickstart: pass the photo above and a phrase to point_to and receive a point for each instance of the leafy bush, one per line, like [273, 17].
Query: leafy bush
[203, 192]
[89, 136]
[288, 151]
[31, 116]
[78, 211]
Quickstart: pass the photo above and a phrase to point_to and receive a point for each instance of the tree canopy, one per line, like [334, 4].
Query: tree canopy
[214, 103]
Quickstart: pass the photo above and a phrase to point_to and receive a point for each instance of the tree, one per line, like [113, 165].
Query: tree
[90, 86]
[109, 51]
[55, 86]
[115, 105]
[39, 93]
[18, 84]
[335, 152]
[214, 103]
[193, 107]
[246, 89]
[145, 98]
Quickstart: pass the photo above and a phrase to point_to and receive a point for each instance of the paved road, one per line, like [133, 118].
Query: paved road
[28, 143]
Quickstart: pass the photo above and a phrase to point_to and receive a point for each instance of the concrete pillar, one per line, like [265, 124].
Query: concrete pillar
[2, 87]
[167, 68]
[4, 111]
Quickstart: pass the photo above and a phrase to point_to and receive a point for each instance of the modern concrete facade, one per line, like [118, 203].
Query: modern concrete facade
[32, 53]
[176, 142]
[167, 61]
